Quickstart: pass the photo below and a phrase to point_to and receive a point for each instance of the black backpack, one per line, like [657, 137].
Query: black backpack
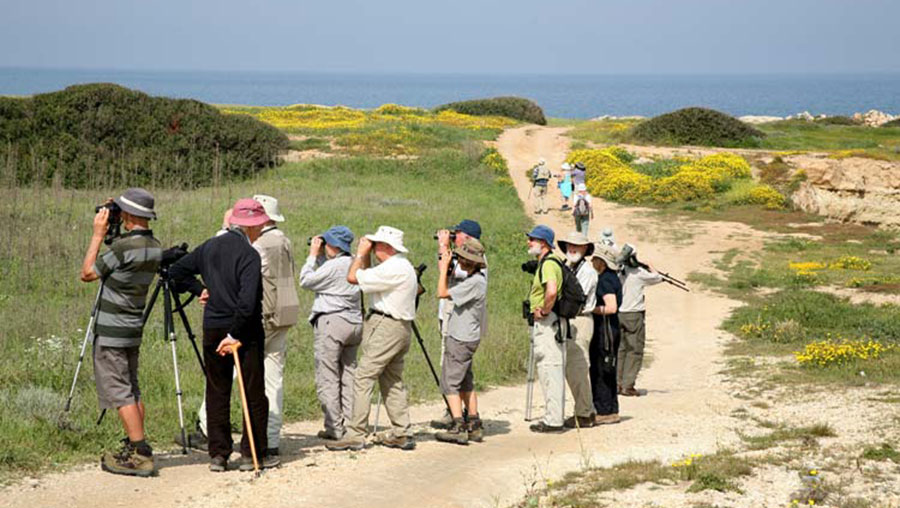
[571, 298]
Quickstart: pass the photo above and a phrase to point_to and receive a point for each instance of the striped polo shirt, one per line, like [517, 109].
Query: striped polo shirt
[127, 269]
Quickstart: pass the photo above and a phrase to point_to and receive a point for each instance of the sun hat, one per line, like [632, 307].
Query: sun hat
[580, 187]
[390, 236]
[542, 232]
[566, 166]
[576, 238]
[542, 161]
[472, 250]
[606, 237]
[608, 254]
[579, 165]
[340, 237]
[137, 202]
[468, 227]
[248, 212]
[270, 204]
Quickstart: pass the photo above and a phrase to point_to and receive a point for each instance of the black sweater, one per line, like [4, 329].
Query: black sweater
[230, 268]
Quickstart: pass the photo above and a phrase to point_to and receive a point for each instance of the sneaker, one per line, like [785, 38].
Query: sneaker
[196, 440]
[328, 434]
[268, 462]
[446, 421]
[581, 422]
[400, 442]
[347, 443]
[458, 433]
[476, 429]
[129, 463]
[544, 428]
[272, 452]
[218, 464]
[630, 392]
[607, 419]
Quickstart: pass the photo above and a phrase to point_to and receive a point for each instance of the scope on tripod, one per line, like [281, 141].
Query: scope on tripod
[173, 254]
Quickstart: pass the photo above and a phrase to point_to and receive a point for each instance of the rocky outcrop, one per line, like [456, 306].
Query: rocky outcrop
[854, 189]
[758, 119]
[873, 118]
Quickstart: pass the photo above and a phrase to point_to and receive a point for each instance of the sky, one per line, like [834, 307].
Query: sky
[461, 36]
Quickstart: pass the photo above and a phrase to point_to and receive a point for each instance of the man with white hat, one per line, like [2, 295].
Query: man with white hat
[391, 288]
[281, 309]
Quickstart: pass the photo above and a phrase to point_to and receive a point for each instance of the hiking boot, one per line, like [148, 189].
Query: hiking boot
[196, 440]
[581, 422]
[446, 421]
[218, 464]
[272, 452]
[630, 392]
[330, 435]
[476, 429]
[267, 462]
[544, 428]
[128, 462]
[400, 442]
[458, 433]
[607, 419]
[347, 443]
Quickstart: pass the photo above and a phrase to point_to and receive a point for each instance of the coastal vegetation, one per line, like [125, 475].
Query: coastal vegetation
[696, 126]
[512, 107]
[105, 135]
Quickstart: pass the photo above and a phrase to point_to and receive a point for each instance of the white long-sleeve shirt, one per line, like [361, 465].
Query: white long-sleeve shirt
[391, 287]
[634, 280]
[327, 278]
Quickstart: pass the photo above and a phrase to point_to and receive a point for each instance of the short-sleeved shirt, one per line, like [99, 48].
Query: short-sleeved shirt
[127, 270]
[549, 272]
[577, 176]
[542, 176]
[469, 297]
[609, 284]
[391, 287]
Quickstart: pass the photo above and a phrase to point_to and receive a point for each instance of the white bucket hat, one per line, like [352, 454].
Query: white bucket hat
[390, 236]
[566, 166]
[542, 161]
[270, 204]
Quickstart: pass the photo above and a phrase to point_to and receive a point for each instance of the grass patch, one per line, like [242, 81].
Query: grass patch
[45, 307]
[807, 436]
[882, 453]
[880, 143]
[311, 143]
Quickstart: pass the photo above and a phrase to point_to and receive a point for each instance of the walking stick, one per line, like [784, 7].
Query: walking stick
[240, 376]
[529, 390]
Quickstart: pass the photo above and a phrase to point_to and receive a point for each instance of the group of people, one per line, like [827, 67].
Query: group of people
[597, 352]
[247, 286]
[571, 179]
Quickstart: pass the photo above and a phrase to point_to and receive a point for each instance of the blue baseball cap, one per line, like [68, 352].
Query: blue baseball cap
[542, 233]
[340, 237]
[469, 227]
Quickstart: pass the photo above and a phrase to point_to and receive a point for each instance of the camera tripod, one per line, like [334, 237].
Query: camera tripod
[164, 285]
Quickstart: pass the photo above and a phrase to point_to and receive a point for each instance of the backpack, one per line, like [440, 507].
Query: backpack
[571, 299]
[582, 207]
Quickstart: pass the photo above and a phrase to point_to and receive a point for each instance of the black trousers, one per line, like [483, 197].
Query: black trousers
[218, 395]
[603, 373]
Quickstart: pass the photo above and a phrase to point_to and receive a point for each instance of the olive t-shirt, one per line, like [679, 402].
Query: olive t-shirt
[549, 271]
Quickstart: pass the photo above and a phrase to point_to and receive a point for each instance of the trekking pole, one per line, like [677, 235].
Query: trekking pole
[565, 346]
[529, 387]
[240, 376]
[430, 365]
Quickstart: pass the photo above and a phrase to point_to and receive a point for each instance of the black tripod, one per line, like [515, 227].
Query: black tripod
[419, 270]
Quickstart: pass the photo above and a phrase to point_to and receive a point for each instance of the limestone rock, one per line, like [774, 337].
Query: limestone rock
[873, 118]
[758, 119]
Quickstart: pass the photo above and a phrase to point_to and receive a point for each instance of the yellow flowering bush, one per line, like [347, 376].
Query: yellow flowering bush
[731, 165]
[608, 175]
[840, 351]
[495, 161]
[313, 117]
[683, 186]
[851, 263]
[397, 109]
[688, 467]
[767, 196]
[807, 266]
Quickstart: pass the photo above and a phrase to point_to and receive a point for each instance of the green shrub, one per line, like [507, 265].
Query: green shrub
[107, 135]
[696, 126]
[893, 123]
[512, 107]
[837, 120]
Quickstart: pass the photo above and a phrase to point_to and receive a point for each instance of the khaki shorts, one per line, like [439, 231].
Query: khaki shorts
[456, 371]
[116, 375]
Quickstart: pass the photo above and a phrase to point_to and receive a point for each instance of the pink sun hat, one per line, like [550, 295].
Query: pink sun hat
[248, 212]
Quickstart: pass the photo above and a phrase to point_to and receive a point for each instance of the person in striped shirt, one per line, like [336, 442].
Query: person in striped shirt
[126, 271]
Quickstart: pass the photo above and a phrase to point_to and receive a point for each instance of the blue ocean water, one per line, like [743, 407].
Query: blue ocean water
[559, 95]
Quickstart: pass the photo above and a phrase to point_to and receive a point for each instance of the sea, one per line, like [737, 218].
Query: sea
[563, 96]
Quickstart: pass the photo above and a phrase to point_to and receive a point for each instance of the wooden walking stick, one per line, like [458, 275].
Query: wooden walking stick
[240, 376]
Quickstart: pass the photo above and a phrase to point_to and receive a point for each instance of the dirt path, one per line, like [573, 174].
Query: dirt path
[686, 410]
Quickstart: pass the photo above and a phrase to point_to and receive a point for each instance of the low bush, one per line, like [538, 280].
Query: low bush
[893, 123]
[107, 135]
[511, 107]
[696, 126]
[837, 120]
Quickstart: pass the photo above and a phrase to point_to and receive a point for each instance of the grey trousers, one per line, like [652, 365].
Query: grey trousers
[578, 363]
[334, 349]
[631, 349]
[382, 352]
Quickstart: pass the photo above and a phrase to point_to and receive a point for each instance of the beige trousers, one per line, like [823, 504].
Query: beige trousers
[578, 364]
[548, 355]
[384, 345]
[540, 195]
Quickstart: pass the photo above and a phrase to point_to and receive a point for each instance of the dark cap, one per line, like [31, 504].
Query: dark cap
[137, 202]
[469, 227]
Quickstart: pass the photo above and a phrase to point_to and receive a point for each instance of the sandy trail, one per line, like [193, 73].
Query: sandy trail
[686, 410]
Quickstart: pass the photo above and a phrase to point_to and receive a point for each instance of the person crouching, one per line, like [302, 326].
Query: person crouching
[469, 298]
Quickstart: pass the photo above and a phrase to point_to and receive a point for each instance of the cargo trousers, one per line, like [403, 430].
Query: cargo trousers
[578, 364]
[631, 349]
[335, 343]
